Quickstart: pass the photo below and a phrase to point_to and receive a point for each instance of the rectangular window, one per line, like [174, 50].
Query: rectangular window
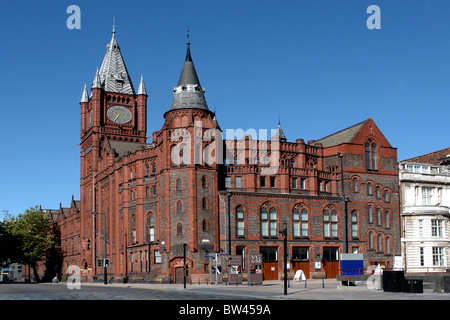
[272, 182]
[422, 257]
[294, 183]
[154, 190]
[262, 182]
[269, 254]
[300, 254]
[438, 256]
[157, 256]
[426, 195]
[147, 192]
[227, 182]
[238, 182]
[436, 228]
[420, 228]
[303, 183]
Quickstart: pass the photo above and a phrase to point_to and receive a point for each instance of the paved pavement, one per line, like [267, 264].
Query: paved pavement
[328, 289]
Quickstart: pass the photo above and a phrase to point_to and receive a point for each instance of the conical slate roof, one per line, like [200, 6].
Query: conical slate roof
[188, 94]
[113, 73]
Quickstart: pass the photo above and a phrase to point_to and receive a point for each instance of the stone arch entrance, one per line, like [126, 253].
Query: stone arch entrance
[176, 269]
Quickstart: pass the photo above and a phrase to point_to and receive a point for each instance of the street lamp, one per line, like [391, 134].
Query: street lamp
[105, 264]
[284, 234]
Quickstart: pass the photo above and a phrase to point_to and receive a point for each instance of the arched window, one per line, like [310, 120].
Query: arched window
[386, 195]
[355, 185]
[300, 222]
[147, 169]
[387, 223]
[179, 185]
[370, 214]
[388, 245]
[204, 203]
[379, 217]
[205, 225]
[240, 222]
[371, 240]
[371, 155]
[151, 227]
[179, 228]
[204, 181]
[379, 243]
[330, 223]
[133, 229]
[354, 221]
[179, 206]
[268, 217]
[369, 188]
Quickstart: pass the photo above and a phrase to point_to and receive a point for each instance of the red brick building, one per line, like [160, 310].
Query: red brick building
[193, 190]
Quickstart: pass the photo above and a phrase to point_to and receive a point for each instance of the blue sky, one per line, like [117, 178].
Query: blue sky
[313, 63]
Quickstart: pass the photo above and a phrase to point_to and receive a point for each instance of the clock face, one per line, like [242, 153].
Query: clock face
[119, 114]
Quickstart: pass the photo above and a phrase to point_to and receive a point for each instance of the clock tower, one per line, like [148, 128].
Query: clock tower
[113, 113]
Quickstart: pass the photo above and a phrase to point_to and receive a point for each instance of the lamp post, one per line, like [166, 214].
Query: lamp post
[284, 234]
[105, 264]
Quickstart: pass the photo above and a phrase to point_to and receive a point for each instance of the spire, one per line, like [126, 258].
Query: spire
[113, 72]
[188, 93]
[142, 89]
[280, 133]
[97, 83]
[85, 96]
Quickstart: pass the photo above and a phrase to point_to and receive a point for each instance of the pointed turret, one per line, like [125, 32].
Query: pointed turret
[113, 72]
[85, 95]
[280, 133]
[188, 94]
[141, 89]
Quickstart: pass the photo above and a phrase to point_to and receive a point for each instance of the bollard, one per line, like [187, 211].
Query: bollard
[323, 284]
[305, 283]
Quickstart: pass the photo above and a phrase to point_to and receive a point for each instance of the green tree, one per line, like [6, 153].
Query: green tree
[32, 231]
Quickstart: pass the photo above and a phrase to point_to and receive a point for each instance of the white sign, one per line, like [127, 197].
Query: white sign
[299, 275]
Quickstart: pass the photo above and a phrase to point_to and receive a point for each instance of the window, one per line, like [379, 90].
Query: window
[151, 228]
[294, 183]
[272, 182]
[133, 229]
[204, 182]
[386, 195]
[300, 254]
[354, 220]
[371, 240]
[378, 216]
[436, 228]
[147, 170]
[380, 245]
[420, 222]
[179, 207]
[205, 226]
[438, 256]
[179, 228]
[378, 192]
[422, 256]
[303, 183]
[369, 188]
[154, 190]
[204, 203]
[227, 182]
[330, 225]
[355, 185]
[269, 254]
[371, 155]
[387, 223]
[238, 182]
[370, 214]
[153, 168]
[262, 182]
[388, 245]
[300, 222]
[157, 256]
[268, 217]
[147, 191]
[240, 222]
[426, 195]
[179, 185]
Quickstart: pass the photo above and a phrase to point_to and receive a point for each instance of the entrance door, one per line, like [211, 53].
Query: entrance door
[179, 277]
[270, 262]
[331, 262]
[300, 260]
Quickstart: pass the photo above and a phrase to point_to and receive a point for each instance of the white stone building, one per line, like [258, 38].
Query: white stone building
[425, 211]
